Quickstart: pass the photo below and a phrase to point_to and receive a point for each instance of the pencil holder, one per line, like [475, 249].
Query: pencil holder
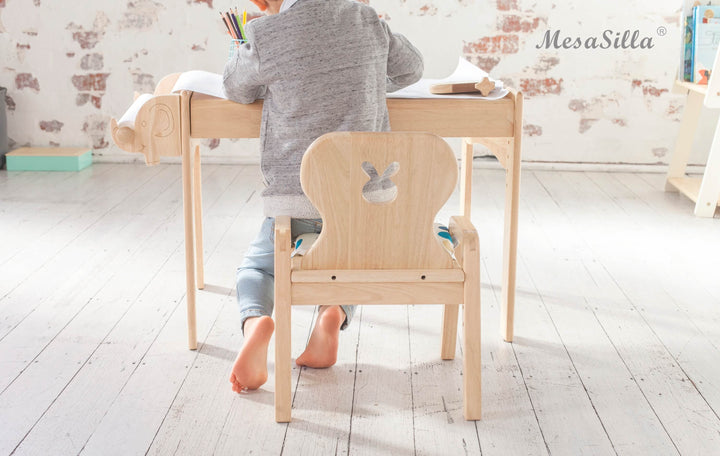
[234, 44]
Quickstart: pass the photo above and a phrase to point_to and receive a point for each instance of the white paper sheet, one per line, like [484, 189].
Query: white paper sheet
[128, 119]
[464, 72]
[202, 82]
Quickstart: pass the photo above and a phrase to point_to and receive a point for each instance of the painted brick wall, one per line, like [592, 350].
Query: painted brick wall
[70, 66]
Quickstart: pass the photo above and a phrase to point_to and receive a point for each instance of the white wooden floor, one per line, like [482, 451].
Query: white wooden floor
[617, 346]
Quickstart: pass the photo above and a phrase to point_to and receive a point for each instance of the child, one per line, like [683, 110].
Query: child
[321, 66]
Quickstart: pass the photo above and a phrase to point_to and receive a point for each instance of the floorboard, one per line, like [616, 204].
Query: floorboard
[617, 327]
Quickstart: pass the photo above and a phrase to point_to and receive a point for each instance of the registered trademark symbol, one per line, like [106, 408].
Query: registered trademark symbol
[661, 31]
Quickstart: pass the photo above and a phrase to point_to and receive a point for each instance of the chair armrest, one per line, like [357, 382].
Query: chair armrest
[462, 230]
[283, 240]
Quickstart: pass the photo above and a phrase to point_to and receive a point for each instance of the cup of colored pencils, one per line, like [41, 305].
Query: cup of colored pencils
[235, 25]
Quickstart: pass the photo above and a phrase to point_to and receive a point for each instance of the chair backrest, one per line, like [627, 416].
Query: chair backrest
[361, 233]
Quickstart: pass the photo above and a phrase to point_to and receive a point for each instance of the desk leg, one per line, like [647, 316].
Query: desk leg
[709, 193]
[688, 125]
[510, 237]
[197, 200]
[188, 213]
[466, 177]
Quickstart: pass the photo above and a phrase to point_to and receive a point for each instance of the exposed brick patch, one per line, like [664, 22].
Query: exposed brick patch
[36, 2]
[90, 82]
[653, 91]
[499, 44]
[96, 101]
[2, 3]
[10, 103]
[22, 46]
[87, 39]
[82, 98]
[545, 63]
[92, 62]
[428, 10]
[211, 143]
[513, 23]
[547, 86]
[70, 54]
[660, 151]
[197, 47]
[23, 80]
[648, 89]
[585, 124]
[143, 82]
[507, 82]
[577, 105]
[507, 5]
[619, 121]
[532, 130]
[141, 15]
[207, 2]
[51, 126]
[95, 127]
[486, 63]
[675, 108]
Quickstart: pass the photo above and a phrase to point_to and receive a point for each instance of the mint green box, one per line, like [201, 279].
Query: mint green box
[49, 159]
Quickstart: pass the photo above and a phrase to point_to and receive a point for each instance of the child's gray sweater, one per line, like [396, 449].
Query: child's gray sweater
[322, 66]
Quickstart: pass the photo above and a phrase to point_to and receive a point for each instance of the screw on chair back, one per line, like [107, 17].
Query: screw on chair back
[360, 232]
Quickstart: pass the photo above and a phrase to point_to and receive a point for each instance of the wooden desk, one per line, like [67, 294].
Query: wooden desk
[171, 125]
[703, 191]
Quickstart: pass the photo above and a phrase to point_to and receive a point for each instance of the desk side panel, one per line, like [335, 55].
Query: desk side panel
[216, 118]
[453, 118]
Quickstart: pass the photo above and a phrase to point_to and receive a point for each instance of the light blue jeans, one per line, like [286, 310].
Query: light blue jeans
[256, 275]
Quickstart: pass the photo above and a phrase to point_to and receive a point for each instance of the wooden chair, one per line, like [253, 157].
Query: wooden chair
[380, 253]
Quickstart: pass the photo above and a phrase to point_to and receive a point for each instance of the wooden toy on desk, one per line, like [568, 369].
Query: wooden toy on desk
[484, 87]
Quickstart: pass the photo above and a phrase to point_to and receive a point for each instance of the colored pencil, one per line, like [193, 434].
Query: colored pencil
[232, 23]
[240, 25]
[237, 25]
[227, 25]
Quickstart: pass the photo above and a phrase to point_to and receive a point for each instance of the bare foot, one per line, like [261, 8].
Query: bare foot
[250, 368]
[322, 349]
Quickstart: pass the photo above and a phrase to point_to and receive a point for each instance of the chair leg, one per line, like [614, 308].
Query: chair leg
[283, 367]
[471, 337]
[471, 358]
[449, 331]
[283, 386]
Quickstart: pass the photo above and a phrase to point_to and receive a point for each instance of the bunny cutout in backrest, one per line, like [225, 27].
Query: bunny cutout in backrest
[393, 234]
[380, 189]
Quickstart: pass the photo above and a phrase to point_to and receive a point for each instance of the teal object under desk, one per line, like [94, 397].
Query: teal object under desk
[49, 159]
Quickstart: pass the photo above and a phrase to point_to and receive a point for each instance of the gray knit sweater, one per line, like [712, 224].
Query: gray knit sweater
[322, 66]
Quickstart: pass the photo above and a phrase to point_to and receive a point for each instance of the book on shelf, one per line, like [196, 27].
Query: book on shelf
[705, 38]
[686, 66]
